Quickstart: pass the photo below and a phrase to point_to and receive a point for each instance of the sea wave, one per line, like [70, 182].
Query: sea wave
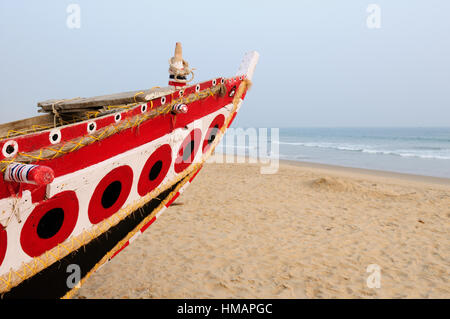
[426, 152]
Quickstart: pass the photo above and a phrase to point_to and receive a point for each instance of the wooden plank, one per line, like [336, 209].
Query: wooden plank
[104, 100]
[79, 110]
[26, 123]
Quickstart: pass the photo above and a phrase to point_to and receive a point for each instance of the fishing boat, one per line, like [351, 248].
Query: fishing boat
[82, 181]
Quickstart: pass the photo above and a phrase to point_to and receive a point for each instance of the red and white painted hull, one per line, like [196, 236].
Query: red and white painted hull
[90, 211]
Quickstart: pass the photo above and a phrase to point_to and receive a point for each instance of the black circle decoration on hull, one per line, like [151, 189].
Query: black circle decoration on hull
[49, 224]
[155, 169]
[10, 149]
[3, 243]
[187, 151]
[212, 132]
[110, 194]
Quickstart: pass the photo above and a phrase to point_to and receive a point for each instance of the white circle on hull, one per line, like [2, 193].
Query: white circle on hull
[10, 149]
[91, 127]
[55, 136]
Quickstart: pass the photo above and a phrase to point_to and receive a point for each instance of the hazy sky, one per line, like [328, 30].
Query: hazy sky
[320, 64]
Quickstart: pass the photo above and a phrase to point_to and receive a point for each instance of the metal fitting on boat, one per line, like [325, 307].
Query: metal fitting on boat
[180, 108]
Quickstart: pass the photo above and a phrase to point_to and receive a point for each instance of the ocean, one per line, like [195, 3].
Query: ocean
[420, 151]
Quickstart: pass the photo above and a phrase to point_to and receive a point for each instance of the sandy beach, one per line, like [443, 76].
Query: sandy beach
[308, 231]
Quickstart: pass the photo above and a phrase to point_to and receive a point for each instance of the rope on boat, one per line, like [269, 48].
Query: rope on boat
[55, 111]
[186, 71]
[54, 151]
[138, 93]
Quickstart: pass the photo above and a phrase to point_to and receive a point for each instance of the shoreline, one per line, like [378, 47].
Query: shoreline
[371, 172]
[434, 180]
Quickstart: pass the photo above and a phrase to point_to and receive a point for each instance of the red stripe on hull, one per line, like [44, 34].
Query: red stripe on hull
[193, 176]
[172, 199]
[232, 119]
[30, 142]
[125, 140]
[122, 248]
[129, 139]
[144, 228]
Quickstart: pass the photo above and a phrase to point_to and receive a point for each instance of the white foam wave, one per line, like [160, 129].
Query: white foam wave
[425, 152]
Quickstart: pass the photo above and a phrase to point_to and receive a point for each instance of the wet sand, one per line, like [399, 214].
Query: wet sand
[308, 231]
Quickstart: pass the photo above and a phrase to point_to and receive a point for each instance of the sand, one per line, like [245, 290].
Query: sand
[308, 231]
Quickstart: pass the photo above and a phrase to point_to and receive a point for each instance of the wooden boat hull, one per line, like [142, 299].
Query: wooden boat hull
[114, 176]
